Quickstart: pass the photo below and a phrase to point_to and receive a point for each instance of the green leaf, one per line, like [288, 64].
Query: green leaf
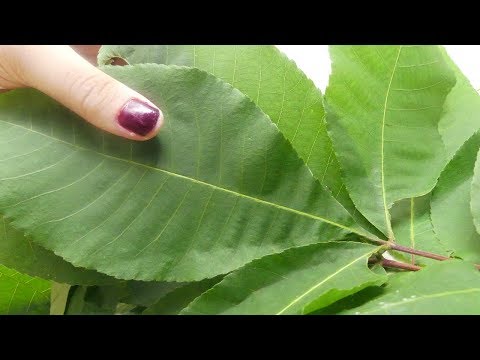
[147, 293]
[76, 300]
[94, 300]
[219, 181]
[269, 78]
[431, 290]
[20, 253]
[22, 294]
[358, 299]
[176, 300]
[383, 106]
[296, 281]
[59, 298]
[461, 112]
[451, 214]
[274, 83]
[128, 309]
[475, 196]
[413, 228]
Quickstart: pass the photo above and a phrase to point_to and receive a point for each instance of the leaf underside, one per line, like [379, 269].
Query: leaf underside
[475, 194]
[22, 254]
[149, 211]
[383, 106]
[450, 206]
[461, 112]
[275, 84]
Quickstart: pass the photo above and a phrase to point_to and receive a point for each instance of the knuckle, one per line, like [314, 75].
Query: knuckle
[92, 91]
[12, 65]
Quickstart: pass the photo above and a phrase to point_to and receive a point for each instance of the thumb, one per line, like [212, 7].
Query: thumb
[61, 73]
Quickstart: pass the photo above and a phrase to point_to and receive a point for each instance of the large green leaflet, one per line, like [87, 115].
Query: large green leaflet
[383, 106]
[22, 254]
[296, 281]
[22, 294]
[149, 211]
[274, 83]
[444, 288]
[413, 228]
[475, 194]
[461, 112]
[451, 214]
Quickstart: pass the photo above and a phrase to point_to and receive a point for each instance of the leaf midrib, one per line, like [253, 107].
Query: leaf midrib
[384, 196]
[285, 208]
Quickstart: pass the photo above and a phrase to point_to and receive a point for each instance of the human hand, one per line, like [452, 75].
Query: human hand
[61, 73]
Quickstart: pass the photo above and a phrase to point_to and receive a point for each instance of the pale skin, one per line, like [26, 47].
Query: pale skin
[68, 75]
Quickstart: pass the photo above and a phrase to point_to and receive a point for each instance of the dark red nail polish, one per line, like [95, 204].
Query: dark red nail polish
[138, 117]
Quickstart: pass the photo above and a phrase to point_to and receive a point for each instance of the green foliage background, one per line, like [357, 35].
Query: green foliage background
[260, 195]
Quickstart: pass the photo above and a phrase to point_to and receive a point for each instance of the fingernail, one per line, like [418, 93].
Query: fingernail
[138, 117]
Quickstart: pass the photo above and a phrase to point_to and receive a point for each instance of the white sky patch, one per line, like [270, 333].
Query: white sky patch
[315, 62]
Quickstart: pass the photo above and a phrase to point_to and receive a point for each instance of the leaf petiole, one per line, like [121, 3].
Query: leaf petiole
[392, 246]
[394, 264]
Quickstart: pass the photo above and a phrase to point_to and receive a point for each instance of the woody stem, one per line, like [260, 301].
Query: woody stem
[392, 246]
[394, 264]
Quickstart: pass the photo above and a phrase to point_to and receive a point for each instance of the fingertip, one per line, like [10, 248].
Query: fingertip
[155, 130]
[157, 127]
[103, 101]
[140, 119]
